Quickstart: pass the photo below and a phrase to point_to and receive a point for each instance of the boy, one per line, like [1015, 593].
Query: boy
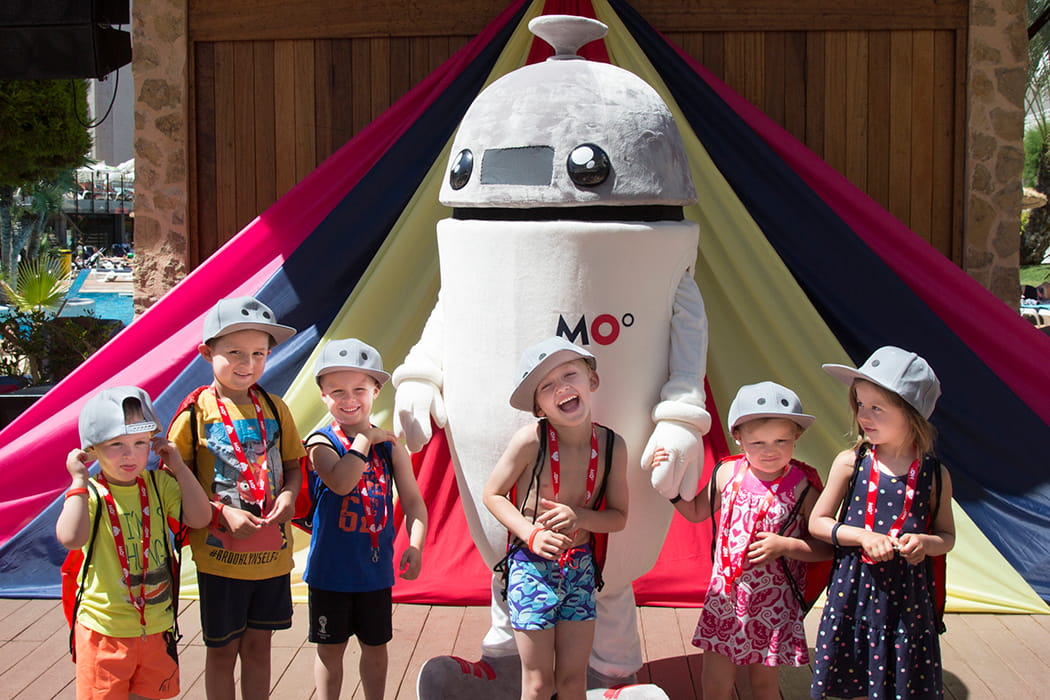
[350, 566]
[124, 640]
[559, 496]
[245, 450]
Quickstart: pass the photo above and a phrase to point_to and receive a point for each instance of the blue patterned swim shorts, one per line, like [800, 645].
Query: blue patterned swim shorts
[541, 593]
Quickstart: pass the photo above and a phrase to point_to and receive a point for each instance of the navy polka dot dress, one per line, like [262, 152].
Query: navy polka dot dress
[878, 632]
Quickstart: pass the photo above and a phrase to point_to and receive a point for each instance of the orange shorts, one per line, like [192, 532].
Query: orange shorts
[113, 667]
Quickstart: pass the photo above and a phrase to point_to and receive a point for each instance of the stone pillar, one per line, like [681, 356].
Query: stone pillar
[998, 61]
[160, 54]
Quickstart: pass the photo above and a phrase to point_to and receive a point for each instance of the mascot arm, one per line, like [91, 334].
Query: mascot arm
[417, 384]
[681, 418]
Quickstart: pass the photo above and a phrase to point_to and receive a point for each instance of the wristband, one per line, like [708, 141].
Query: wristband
[835, 534]
[676, 499]
[357, 453]
[217, 506]
[76, 492]
[532, 538]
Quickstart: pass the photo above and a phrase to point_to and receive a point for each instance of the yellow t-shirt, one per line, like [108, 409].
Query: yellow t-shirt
[268, 553]
[106, 605]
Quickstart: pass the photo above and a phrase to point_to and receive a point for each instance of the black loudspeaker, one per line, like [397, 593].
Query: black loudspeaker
[48, 39]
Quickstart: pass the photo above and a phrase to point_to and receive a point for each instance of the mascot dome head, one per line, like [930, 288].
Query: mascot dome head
[567, 132]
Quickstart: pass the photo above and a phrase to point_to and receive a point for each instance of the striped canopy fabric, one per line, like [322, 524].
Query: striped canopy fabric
[796, 265]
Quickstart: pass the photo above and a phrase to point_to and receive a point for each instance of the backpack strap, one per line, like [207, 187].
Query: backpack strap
[276, 415]
[89, 550]
[174, 554]
[712, 489]
[514, 544]
[599, 541]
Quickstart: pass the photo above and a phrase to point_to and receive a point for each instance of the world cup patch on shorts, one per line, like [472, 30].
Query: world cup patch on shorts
[541, 593]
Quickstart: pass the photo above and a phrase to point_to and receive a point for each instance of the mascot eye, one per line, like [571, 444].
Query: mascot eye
[463, 166]
[588, 165]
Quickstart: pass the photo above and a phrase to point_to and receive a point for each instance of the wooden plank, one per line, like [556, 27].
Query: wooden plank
[295, 679]
[379, 94]
[243, 93]
[204, 202]
[878, 117]
[963, 659]
[362, 107]
[835, 88]
[44, 672]
[408, 628]
[305, 121]
[743, 64]
[687, 619]
[225, 147]
[666, 652]
[899, 202]
[399, 65]
[284, 79]
[476, 622]
[714, 56]
[816, 91]
[439, 640]
[773, 69]
[283, 19]
[855, 147]
[1014, 670]
[343, 95]
[795, 84]
[922, 125]
[265, 126]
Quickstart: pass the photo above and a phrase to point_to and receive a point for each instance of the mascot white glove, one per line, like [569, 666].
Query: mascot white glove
[415, 401]
[679, 474]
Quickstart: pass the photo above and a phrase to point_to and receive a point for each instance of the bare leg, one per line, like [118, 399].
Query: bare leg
[765, 682]
[255, 664]
[719, 676]
[572, 648]
[328, 670]
[219, 666]
[536, 648]
[373, 670]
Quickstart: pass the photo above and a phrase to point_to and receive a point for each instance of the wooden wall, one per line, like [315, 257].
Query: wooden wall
[876, 89]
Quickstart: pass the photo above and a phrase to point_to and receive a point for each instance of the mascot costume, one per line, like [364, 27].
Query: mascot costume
[567, 182]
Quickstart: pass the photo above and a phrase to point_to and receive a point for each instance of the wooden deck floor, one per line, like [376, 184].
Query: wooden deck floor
[985, 656]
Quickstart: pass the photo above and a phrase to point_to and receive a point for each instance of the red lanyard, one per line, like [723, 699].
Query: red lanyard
[592, 469]
[733, 566]
[254, 475]
[139, 601]
[873, 491]
[376, 465]
[592, 477]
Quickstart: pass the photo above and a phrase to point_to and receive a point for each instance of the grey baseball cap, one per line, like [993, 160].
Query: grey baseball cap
[900, 371]
[102, 417]
[243, 313]
[539, 359]
[350, 353]
[767, 400]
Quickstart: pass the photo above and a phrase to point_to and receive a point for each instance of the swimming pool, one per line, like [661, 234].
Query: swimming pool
[115, 305]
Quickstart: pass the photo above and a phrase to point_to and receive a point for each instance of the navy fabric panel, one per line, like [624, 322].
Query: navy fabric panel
[30, 560]
[992, 442]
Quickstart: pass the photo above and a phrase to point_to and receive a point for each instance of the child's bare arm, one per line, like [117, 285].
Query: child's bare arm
[700, 508]
[915, 547]
[73, 527]
[196, 508]
[770, 545]
[415, 510]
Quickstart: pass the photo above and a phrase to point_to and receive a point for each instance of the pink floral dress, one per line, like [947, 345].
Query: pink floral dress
[754, 618]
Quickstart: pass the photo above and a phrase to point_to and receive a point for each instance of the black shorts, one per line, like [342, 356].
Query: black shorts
[336, 616]
[229, 606]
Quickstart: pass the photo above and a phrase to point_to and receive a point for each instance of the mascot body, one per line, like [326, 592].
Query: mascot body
[567, 182]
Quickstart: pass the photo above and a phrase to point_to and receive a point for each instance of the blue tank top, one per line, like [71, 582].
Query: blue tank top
[341, 557]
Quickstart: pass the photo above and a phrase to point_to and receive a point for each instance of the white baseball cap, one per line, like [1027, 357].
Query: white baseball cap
[351, 353]
[537, 361]
[243, 313]
[102, 417]
[902, 372]
[767, 400]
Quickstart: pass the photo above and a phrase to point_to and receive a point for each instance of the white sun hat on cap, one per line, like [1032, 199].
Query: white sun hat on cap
[900, 371]
[351, 353]
[241, 314]
[537, 361]
[767, 400]
[102, 417]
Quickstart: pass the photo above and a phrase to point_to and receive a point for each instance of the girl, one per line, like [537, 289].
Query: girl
[878, 632]
[751, 615]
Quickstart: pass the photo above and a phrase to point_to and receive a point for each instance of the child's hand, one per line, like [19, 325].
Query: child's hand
[283, 509]
[912, 548]
[167, 451]
[766, 547]
[879, 547]
[411, 563]
[557, 516]
[241, 523]
[377, 435]
[549, 544]
[76, 464]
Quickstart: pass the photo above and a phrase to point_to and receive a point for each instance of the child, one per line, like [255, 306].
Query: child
[124, 639]
[245, 450]
[751, 616]
[559, 497]
[350, 566]
[878, 633]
